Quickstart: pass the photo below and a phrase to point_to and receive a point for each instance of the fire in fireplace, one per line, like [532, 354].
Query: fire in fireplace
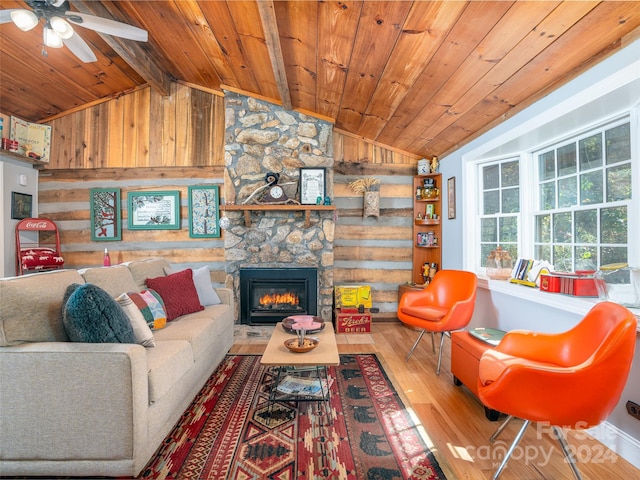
[268, 295]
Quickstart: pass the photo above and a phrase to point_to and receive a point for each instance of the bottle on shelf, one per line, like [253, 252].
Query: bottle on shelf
[107, 259]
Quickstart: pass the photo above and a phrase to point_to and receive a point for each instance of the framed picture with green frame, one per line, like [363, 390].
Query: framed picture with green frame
[204, 211]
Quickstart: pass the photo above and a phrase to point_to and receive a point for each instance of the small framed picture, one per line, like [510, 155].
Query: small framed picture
[153, 210]
[429, 210]
[451, 197]
[312, 185]
[106, 220]
[204, 209]
[21, 205]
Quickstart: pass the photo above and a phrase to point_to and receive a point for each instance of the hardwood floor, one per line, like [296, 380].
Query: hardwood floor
[457, 427]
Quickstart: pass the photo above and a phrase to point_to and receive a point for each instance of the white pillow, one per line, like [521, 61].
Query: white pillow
[141, 330]
[202, 280]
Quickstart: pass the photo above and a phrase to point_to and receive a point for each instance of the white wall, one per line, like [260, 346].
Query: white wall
[10, 171]
[602, 91]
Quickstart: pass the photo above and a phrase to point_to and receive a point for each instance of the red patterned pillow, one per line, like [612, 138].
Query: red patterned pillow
[178, 293]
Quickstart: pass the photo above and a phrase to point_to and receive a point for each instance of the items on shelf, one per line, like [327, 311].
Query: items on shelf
[527, 272]
[499, 264]
[428, 272]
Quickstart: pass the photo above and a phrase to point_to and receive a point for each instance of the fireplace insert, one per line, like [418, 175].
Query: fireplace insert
[268, 295]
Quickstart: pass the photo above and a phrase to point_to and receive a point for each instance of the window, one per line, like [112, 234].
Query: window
[500, 207]
[575, 210]
[584, 195]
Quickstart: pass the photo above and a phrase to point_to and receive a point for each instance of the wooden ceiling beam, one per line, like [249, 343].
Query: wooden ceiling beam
[130, 51]
[272, 38]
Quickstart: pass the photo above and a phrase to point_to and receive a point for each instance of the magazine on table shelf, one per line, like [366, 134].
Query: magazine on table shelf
[308, 387]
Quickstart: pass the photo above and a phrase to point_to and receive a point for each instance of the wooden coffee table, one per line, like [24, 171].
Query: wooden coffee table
[308, 365]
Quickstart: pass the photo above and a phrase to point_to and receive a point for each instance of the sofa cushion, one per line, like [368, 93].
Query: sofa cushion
[141, 330]
[178, 293]
[150, 304]
[91, 316]
[143, 269]
[202, 280]
[167, 363]
[200, 329]
[114, 280]
[39, 315]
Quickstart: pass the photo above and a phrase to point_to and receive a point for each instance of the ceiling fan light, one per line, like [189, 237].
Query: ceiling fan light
[61, 27]
[51, 40]
[25, 20]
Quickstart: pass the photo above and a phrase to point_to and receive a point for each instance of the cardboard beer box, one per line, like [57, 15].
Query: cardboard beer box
[352, 296]
[353, 322]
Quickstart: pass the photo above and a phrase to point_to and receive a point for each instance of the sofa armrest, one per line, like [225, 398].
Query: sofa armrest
[81, 401]
[225, 295]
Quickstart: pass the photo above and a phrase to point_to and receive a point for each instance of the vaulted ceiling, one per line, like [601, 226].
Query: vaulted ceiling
[420, 76]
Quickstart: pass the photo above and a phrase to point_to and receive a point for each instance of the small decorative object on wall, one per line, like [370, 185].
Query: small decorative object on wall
[153, 210]
[312, 185]
[106, 224]
[371, 189]
[21, 205]
[451, 197]
[204, 210]
[34, 140]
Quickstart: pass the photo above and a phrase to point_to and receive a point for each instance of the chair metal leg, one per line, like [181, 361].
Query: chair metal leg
[440, 354]
[414, 346]
[433, 342]
[500, 429]
[567, 453]
[511, 448]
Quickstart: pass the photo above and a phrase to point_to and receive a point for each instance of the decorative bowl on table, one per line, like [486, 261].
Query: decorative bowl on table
[308, 344]
[316, 323]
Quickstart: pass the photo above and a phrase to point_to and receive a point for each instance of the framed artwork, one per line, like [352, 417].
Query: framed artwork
[21, 205]
[106, 219]
[312, 185]
[451, 197]
[153, 210]
[204, 211]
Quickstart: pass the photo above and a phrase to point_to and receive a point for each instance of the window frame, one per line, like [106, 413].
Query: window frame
[529, 194]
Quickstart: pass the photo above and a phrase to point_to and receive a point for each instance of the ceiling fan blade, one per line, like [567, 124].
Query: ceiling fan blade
[79, 48]
[104, 25]
[5, 15]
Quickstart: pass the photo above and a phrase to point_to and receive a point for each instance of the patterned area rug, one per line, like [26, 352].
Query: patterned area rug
[232, 431]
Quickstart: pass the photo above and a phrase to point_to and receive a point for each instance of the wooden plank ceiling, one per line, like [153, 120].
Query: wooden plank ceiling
[423, 77]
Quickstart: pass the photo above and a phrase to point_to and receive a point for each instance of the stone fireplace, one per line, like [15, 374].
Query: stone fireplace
[261, 138]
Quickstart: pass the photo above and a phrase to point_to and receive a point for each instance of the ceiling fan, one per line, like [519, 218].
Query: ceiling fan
[58, 30]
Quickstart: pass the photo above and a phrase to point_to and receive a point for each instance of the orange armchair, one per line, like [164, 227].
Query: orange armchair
[446, 304]
[572, 379]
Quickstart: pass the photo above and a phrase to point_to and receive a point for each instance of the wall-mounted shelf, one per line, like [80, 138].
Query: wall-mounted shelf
[307, 209]
[21, 158]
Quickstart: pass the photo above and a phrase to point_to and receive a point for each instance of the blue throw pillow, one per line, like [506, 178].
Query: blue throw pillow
[90, 315]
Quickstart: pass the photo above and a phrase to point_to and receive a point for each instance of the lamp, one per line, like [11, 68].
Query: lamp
[25, 20]
[50, 39]
[61, 27]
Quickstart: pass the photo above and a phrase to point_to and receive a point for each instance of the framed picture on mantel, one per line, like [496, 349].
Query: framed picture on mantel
[312, 185]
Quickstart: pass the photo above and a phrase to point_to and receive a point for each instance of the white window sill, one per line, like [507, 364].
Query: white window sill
[568, 303]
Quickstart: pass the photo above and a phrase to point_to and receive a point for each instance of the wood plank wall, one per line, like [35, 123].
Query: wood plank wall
[141, 141]
[370, 251]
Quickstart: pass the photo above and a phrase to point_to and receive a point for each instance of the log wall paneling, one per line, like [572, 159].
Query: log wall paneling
[64, 198]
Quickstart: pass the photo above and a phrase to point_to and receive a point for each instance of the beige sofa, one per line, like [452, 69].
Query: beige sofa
[96, 409]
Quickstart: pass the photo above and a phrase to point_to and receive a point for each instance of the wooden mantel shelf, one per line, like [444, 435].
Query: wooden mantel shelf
[307, 209]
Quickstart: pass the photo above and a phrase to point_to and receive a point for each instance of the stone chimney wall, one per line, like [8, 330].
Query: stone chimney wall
[261, 137]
